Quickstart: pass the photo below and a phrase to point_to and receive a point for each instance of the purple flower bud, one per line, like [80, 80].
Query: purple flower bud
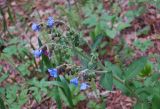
[74, 81]
[37, 53]
[36, 27]
[53, 72]
[84, 86]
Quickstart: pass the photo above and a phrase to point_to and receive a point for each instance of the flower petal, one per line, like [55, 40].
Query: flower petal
[36, 27]
[74, 81]
[53, 72]
[37, 53]
[50, 22]
[84, 86]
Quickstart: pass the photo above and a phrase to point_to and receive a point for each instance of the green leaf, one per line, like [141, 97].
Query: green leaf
[63, 97]
[156, 96]
[136, 67]
[97, 30]
[106, 80]
[91, 20]
[120, 86]
[1, 104]
[10, 14]
[143, 105]
[56, 83]
[111, 33]
[146, 71]
[10, 50]
[39, 42]
[97, 42]
[67, 91]
[46, 61]
[155, 102]
[3, 77]
[114, 68]
[144, 31]
[4, 21]
[57, 98]
[143, 46]
[122, 26]
[23, 68]
[14, 40]
[23, 97]
[78, 97]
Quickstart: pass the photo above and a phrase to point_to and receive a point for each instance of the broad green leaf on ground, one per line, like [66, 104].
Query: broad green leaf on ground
[97, 42]
[135, 68]
[122, 26]
[155, 102]
[91, 20]
[120, 86]
[143, 46]
[143, 105]
[144, 31]
[3, 77]
[106, 80]
[114, 68]
[111, 33]
[10, 50]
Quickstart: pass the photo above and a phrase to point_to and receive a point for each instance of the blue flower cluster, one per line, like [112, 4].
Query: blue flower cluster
[54, 73]
[83, 86]
[74, 81]
[36, 27]
[49, 23]
[37, 53]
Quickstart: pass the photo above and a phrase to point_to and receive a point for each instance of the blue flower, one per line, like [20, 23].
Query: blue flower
[50, 22]
[74, 81]
[84, 86]
[53, 72]
[37, 53]
[36, 27]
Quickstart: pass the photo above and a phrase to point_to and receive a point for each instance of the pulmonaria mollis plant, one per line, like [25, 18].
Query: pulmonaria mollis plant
[54, 46]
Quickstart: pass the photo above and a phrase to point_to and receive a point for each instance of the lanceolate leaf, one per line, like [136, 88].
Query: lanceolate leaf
[136, 67]
[46, 61]
[58, 100]
[10, 14]
[67, 91]
[106, 80]
[39, 42]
